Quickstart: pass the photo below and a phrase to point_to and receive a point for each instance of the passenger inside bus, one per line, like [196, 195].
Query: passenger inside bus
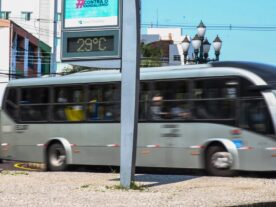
[157, 107]
[93, 107]
[179, 111]
[75, 112]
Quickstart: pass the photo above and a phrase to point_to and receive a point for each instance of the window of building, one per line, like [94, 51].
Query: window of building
[26, 16]
[5, 14]
[31, 56]
[176, 58]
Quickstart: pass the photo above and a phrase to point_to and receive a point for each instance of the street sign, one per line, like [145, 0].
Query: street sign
[91, 30]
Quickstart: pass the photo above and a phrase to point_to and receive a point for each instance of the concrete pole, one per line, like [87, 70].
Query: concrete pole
[54, 49]
[130, 89]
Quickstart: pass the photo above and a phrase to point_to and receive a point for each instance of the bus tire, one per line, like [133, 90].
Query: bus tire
[219, 161]
[56, 157]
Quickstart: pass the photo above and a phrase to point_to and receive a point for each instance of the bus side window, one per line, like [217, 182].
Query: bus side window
[215, 98]
[111, 100]
[103, 102]
[171, 100]
[68, 103]
[34, 104]
[144, 101]
[254, 115]
[11, 104]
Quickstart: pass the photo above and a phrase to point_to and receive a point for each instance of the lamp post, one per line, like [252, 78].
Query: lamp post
[201, 30]
[201, 46]
[217, 46]
[185, 46]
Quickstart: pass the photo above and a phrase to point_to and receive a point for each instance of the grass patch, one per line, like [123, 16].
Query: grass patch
[15, 173]
[133, 186]
[85, 186]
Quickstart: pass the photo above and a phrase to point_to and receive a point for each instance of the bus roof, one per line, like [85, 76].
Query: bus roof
[266, 72]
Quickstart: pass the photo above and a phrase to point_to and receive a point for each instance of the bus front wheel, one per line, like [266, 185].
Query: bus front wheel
[219, 161]
[56, 157]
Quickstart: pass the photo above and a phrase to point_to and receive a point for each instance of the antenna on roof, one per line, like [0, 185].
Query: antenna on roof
[157, 18]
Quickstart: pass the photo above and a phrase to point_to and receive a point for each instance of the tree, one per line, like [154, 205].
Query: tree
[76, 69]
[150, 56]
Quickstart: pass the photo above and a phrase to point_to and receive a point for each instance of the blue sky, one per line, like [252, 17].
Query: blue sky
[247, 45]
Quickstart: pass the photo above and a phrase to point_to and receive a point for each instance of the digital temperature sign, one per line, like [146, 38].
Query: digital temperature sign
[91, 30]
[91, 44]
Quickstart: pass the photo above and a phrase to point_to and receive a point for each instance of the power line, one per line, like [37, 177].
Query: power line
[271, 28]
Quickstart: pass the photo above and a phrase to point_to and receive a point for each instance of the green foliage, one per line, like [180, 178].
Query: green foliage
[151, 56]
[85, 186]
[75, 69]
[6, 172]
[133, 186]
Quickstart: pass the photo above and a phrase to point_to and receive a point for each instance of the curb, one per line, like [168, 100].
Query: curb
[38, 166]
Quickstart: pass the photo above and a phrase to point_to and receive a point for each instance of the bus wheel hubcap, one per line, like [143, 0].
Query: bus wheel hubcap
[57, 158]
[222, 160]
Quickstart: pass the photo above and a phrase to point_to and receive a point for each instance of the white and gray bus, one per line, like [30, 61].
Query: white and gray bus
[220, 117]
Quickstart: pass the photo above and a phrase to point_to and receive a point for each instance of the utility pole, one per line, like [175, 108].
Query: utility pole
[54, 49]
[130, 89]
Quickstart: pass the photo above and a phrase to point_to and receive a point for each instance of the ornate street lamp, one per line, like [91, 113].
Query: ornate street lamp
[185, 46]
[201, 30]
[202, 46]
[206, 49]
[217, 43]
[196, 42]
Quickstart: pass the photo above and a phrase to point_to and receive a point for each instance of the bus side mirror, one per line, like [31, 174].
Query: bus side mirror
[259, 88]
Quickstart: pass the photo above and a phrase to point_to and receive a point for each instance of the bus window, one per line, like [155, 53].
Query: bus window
[104, 102]
[11, 104]
[254, 115]
[171, 100]
[112, 98]
[215, 98]
[34, 104]
[144, 100]
[68, 103]
[95, 109]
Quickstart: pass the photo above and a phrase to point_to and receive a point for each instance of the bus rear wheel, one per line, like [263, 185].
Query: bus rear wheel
[56, 157]
[219, 161]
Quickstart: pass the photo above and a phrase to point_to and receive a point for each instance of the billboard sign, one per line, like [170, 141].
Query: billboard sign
[91, 13]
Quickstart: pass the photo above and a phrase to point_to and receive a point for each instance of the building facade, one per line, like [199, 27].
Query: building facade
[22, 54]
[170, 39]
[36, 17]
